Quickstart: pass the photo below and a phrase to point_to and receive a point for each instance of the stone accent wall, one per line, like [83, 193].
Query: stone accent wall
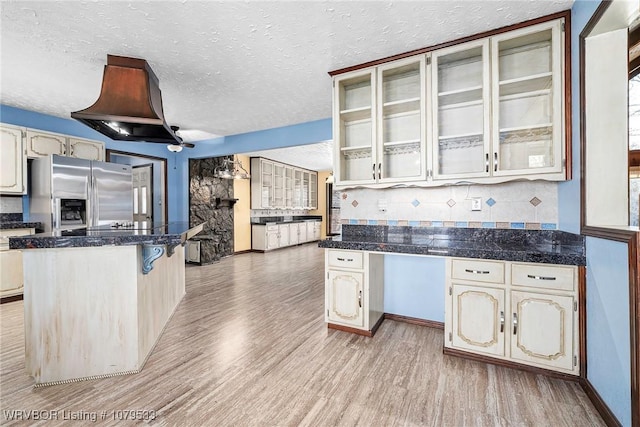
[216, 240]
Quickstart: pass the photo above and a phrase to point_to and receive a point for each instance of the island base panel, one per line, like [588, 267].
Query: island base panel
[90, 312]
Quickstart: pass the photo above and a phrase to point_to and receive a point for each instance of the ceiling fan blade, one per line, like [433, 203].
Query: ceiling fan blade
[187, 144]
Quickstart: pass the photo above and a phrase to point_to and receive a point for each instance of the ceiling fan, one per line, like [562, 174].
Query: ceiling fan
[177, 147]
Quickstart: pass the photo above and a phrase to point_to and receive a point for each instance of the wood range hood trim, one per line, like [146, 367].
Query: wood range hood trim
[130, 100]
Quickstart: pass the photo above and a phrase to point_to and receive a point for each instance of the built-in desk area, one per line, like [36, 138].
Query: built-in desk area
[509, 295]
[97, 300]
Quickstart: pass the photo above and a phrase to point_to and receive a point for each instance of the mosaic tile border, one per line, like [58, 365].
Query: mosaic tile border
[456, 224]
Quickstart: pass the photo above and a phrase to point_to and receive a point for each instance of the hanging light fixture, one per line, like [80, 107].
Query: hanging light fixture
[231, 169]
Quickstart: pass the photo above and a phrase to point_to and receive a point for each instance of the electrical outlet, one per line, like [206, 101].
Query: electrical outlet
[476, 204]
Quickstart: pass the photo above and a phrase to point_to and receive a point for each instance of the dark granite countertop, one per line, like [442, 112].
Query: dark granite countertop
[543, 246]
[12, 225]
[264, 220]
[173, 233]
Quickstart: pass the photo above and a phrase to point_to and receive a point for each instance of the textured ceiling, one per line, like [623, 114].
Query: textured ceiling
[225, 67]
[316, 157]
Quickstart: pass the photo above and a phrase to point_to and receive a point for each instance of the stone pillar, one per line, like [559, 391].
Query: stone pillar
[216, 239]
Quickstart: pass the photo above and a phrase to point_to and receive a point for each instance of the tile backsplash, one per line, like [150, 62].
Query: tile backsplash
[278, 212]
[530, 205]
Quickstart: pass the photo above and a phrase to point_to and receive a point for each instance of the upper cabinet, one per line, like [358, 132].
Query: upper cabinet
[13, 162]
[380, 123]
[85, 149]
[461, 115]
[528, 101]
[41, 144]
[275, 185]
[488, 110]
[401, 121]
[354, 127]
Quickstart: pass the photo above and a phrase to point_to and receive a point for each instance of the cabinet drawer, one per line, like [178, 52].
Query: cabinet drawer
[478, 271]
[543, 276]
[348, 259]
[273, 227]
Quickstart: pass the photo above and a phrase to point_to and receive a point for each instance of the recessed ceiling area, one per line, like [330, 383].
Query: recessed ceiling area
[225, 67]
[317, 157]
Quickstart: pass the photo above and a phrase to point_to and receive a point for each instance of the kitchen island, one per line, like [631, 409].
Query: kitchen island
[97, 300]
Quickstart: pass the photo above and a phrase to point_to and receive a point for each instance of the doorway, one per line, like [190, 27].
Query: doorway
[143, 194]
[156, 191]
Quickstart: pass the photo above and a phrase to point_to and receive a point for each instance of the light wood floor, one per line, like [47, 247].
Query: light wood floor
[248, 346]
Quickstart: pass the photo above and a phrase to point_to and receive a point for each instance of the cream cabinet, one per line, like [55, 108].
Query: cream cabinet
[380, 123]
[294, 233]
[265, 237]
[11, 273]
[192, 251]
[486, 111]
[354, 111]
[522, 312]
[85, 149]
[41, 144]
[353, 290]
[13, 162]
[461, 88]
[528, 101]
[278, 186]
[283, 235]
[274, 236]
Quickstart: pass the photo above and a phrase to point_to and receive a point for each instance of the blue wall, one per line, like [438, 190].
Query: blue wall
[569, 191]
[178, 163]
[608, 345]
[414, 286]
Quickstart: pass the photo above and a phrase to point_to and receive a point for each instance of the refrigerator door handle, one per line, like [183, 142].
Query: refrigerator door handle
[56, 213]
[94, 202]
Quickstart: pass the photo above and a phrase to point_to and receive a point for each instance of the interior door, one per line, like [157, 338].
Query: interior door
[143, 194]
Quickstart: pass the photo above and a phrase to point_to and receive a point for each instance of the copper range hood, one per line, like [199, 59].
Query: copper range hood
[130, 106]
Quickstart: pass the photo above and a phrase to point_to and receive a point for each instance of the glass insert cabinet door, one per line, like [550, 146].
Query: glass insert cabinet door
[401, 121]
[461, 94]
[267, 183]
[527, 100]
[354, 99]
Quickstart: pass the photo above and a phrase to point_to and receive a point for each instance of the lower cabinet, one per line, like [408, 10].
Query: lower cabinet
[192, 251]
[521, 312]
[11, 273]
[274, 236]
[354, 290]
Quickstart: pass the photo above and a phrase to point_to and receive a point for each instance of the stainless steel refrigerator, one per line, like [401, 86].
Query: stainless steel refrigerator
[68, 193]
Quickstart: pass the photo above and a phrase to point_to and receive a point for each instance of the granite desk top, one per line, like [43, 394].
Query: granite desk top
[539, 246]
[172, 233]
[264, 220]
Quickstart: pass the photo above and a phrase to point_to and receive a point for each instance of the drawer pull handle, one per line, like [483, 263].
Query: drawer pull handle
[502, 321]
[531, 276]
[360, 299]
[477, 271]
[345, 259]
[515, 323]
